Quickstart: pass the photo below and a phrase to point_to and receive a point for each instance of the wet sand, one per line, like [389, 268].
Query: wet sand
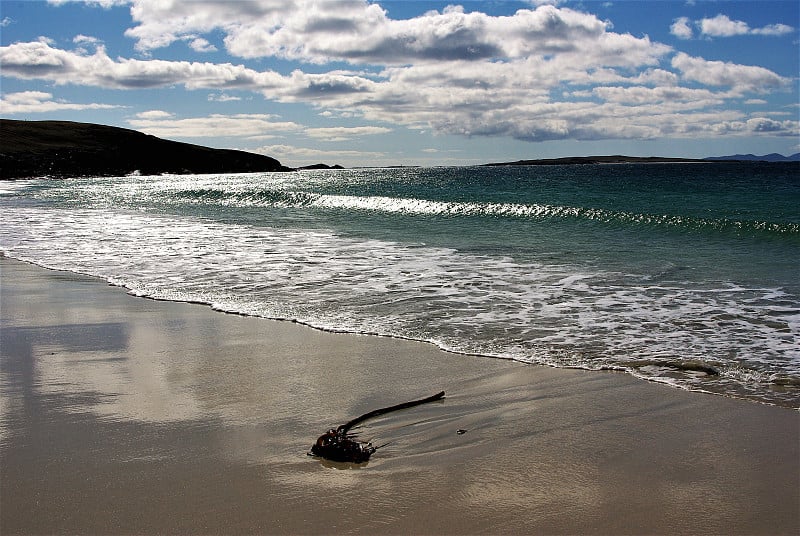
[123, 415]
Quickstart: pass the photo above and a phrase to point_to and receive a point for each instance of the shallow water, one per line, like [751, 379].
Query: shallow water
[685, 274]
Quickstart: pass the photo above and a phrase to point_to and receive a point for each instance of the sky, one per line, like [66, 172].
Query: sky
[377, 83]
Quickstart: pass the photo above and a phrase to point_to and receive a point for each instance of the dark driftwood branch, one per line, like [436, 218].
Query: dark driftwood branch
[374, 413]
[338, 445]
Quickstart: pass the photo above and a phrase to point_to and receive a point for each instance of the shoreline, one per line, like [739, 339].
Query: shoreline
[123, 415]
[683, 365]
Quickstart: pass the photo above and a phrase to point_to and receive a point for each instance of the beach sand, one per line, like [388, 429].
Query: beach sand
[125, 415]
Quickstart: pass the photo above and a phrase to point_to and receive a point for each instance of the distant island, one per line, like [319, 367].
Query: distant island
[621, 159]
[61, 149]
[772, 157]
[321, 166]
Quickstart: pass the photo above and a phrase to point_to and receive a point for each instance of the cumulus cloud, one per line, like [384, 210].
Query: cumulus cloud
[539, 74]
[162, 23]
[360, 32]
[774, 29]
[756, 125]
[741, 78]
[723, 26]
[681, 28]
[198, 44]
[40, 60]
[25, 102]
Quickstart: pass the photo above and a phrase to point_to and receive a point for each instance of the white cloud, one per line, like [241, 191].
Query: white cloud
[162, 23]
[223, 97]
[39, 60]
[6, 21]
[299, 156]
[80, 38]
[669, 96]
[681, 28]
[154, 114]
[252, 126]
[724, 26]
[198, 44]
[756, 125]
[40, 102]
[506, 98]
[362, 33]
[344, 133]
[538, 74]
[774, 29]
[105, 4]
[763, 124]
[741, 78]
[28, 97]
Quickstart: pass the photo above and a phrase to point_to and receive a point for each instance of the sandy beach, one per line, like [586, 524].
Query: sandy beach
[122, 415]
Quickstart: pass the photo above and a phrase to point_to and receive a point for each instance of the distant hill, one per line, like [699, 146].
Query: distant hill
[621, 159]
[583, 160]
[772, 157]
[69, 149]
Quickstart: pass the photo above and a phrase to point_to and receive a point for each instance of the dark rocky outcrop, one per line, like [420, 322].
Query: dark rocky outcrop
[61, 149]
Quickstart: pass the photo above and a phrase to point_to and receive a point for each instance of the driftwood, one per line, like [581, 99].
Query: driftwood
[338, 445]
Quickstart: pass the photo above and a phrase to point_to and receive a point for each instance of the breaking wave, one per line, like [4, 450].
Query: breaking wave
[414, 206]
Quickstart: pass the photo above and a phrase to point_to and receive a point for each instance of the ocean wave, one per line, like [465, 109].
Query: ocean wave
[424, 207]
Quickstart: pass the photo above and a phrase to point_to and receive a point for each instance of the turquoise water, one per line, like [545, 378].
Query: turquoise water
[680, 273]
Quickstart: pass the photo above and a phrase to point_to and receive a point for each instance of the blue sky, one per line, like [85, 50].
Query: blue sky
[365, 83]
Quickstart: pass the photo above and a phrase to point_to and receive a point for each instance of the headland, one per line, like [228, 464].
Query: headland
[61, 149]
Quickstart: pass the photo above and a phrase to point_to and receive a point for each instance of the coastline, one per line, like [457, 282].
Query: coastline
[123, 415]
[64, 149]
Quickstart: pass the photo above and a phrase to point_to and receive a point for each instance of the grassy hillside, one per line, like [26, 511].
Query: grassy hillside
[65, 149]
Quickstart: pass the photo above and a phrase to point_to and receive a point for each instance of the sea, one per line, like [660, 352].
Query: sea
[685, 274]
